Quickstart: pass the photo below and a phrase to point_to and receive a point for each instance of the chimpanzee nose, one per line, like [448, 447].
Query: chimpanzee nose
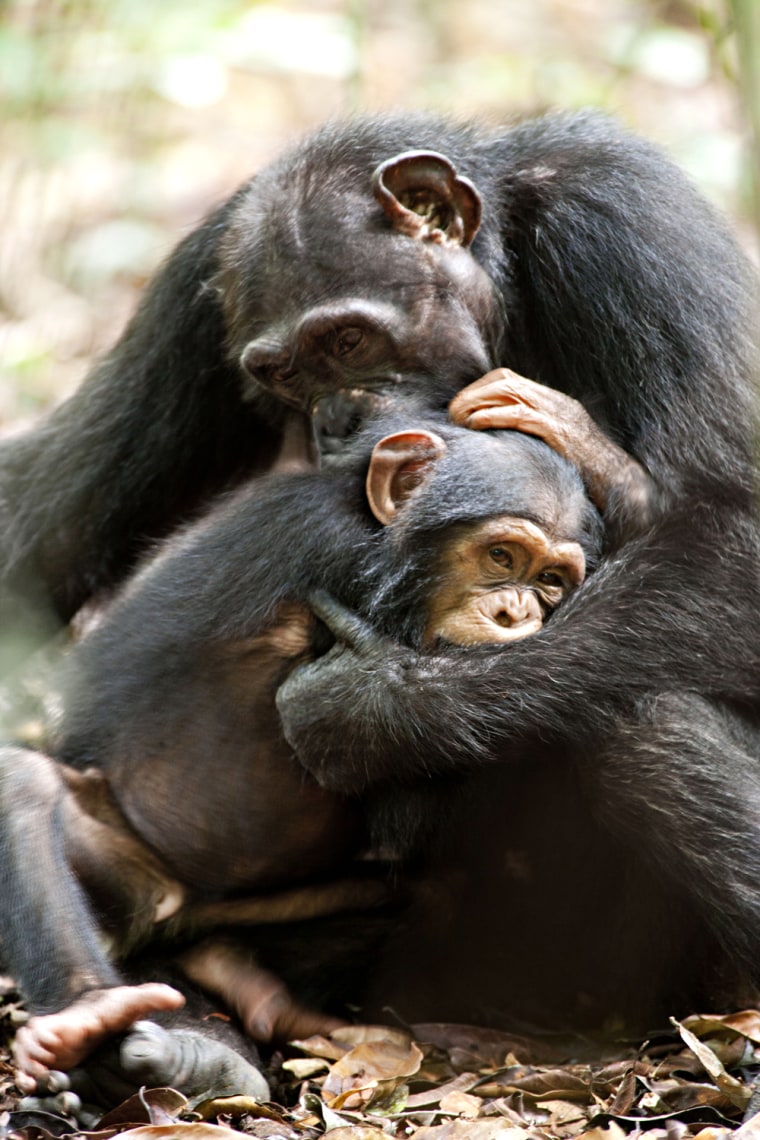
[339, 415]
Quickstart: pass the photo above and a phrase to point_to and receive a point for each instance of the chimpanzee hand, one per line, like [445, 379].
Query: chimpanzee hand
[348, 713]
[503, 399]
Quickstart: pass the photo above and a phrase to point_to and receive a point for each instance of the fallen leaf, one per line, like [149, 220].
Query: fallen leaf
[736, 1092]
[320, 1046]
[463, 1083]
[461, 1104]
[370, 1072]
[177, 1131]
[303, 1067]
[352, 1035]
[149, 1106]
[356, 1132]
[471, 1130]
[744, 1021]
[750, 1129]
[237, 1106]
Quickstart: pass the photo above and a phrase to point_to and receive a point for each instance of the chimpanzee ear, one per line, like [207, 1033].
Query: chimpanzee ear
[423, 197]
[399, 463]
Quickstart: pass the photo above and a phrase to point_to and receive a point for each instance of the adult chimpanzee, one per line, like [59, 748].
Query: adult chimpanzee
[352, 265]
[482, 538]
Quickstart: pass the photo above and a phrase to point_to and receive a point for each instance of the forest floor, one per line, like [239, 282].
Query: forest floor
[448, 1082]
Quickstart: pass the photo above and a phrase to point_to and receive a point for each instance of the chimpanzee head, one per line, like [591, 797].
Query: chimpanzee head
[363, 277]
[487, 533]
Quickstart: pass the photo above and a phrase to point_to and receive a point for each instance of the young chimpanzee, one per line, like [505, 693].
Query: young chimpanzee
[174, 799]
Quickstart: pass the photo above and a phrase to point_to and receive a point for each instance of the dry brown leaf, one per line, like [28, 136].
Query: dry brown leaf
[625, 1095]
[303, 1067]
[750, 1129]
[370, 1072]
[745, 1022]
[356, 1132]
[493, 1129]
[320, 1046]
[462, 1104]
[463, 1083]
[543, 1084]
[736, 1092]
[349, 1036]
[237, 1106]
[151, 1106]
[177, 1131]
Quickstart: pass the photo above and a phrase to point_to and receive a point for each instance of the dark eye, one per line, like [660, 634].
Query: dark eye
[346, 340]
[550, 578]
[502, 557]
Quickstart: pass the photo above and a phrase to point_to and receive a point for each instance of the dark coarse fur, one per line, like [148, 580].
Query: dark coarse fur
[175, 689]
[617, 284]
[280, 539]
[612, 281]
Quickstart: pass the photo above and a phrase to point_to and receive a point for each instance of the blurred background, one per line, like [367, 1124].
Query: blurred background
[123, 121]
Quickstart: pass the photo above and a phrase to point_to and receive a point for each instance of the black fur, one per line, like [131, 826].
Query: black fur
[614, 282]
[611, 280]
[174, 680]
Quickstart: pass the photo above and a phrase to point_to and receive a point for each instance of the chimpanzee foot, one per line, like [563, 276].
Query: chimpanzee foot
[148, 1055]
[192, 1062]
[264, 1004]
[61, 1041]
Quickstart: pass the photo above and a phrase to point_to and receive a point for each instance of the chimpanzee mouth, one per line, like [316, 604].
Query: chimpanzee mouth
[339, 415]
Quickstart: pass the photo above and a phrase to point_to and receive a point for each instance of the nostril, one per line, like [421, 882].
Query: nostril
[275, 376]
[271, 369]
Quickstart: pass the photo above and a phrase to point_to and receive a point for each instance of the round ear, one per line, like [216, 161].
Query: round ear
[399, 463]
[423, 197]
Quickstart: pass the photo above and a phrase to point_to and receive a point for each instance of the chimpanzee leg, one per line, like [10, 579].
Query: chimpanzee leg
[261, 1000]
[50, 944]
[49, 935]
[682, 780]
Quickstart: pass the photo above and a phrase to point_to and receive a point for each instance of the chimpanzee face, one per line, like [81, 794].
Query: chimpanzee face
[344, 307]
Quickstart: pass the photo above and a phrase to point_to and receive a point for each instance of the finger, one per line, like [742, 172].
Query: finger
[154, 996]
[502, 380]
[496, 376]
[32, 1049]
[514, 418]
[345, 625]
[25, 1084]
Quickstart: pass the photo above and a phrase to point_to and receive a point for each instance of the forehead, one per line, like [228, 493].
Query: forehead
[313, 242]
[508, 473]
[312, 257]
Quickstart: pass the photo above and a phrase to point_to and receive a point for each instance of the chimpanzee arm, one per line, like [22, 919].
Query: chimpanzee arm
[371, 710]
[617, 484]
[628, 293]
[158, 427]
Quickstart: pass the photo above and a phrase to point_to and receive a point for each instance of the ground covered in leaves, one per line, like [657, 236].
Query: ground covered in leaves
[447, 1082]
